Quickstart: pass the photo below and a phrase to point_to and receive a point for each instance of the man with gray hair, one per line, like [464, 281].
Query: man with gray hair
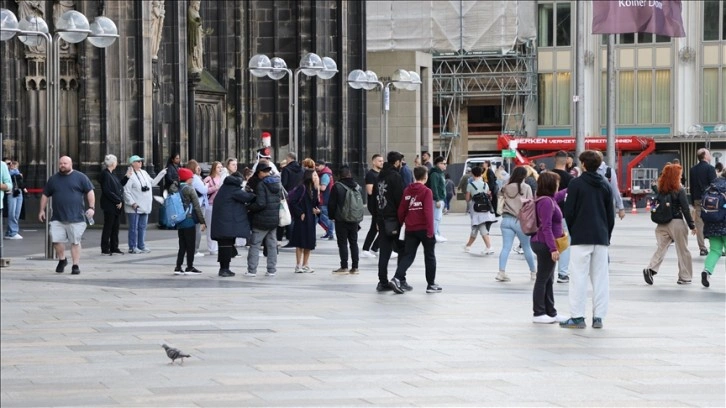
[700, 177]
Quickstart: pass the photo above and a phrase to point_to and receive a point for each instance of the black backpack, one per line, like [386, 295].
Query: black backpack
[481, 202]
[662, 210]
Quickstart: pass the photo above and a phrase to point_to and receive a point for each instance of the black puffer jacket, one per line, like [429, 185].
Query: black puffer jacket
[229, 212]
[717, 229]
[265, 210]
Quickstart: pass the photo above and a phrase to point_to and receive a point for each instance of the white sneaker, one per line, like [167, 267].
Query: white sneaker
[16, 236]
[502, 277]
[467, 248]
[544, 319]
[298, 269]
[198, 255]
[367, 254]
[394, 255]
[561, 319]
[307, 269]
[488, 251]
[212, 252]
[440, 238]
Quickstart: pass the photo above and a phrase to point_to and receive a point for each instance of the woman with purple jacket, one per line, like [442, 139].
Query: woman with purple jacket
[549, 219]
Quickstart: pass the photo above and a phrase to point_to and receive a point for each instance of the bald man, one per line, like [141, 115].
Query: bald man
[68, 211]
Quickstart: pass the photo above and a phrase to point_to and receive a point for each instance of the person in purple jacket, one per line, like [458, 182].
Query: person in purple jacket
[549, 219]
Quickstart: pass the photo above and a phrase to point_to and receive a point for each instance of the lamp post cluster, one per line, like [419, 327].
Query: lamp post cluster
[275, 68]
[72, 27]
[368, 80]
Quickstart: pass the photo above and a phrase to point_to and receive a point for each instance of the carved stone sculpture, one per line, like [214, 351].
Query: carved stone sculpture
[195, 35]
[157, 25]
[29, 9]
[60, 7]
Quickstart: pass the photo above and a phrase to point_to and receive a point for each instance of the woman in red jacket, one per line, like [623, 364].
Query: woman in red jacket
[416, 212]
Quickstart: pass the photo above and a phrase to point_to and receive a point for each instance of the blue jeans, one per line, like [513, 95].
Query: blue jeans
[137, 230]
[564, 261]
[438, 215]
[15, 205]
[511, 228]
[325, 220]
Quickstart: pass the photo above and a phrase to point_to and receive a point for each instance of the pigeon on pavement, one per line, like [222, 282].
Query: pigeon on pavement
[173, 354]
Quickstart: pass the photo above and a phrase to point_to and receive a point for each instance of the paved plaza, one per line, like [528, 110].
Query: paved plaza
[326, 340]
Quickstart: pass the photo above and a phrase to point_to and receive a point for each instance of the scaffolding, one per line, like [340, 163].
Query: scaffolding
[459, 77]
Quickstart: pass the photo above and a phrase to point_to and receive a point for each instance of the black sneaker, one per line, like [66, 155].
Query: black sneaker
[683, 282]
[563, 279]
[191, 269]
[117, 252]
[383, 287]
[648, 276]
[75, 270]
[178, 271]
[225, 273]
[106, 253]
[395, 285]
[704, 252]
[433, 288]
[704, 279]
[596, 323]
[405, 286]
[61, 265]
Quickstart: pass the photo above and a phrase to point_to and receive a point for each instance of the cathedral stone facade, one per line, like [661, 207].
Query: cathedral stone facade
[176, 81]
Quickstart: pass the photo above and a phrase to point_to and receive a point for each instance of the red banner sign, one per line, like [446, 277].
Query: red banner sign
[662, 17]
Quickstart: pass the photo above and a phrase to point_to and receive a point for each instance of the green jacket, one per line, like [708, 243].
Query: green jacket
[437, 183]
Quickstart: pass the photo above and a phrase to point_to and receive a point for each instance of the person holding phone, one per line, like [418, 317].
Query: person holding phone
[137, 202]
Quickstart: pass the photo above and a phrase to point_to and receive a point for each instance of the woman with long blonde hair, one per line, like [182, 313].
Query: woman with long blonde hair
[213, 182]
[672, 194]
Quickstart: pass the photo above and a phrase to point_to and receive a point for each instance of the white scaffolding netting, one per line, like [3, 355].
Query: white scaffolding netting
[446, 26]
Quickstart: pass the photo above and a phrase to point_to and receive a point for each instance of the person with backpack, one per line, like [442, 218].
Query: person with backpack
[713, 214]
[187, 229]
[481, 212]
[346, 209]
[590, 216]
[544, 245]
[415, 212]
[512, 195]
[669, 210]
[700, 177]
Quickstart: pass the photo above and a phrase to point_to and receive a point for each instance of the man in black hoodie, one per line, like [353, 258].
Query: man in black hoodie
[590, 217]
[347, 230]
[387, 192]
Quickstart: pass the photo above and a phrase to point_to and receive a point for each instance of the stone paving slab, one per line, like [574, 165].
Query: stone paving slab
[324, 340]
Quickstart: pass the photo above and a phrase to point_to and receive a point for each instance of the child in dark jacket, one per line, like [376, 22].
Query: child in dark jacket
[186, 230]
[416, 212]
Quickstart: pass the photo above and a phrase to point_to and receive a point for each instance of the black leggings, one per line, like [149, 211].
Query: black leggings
[226, 252]
[187, 238]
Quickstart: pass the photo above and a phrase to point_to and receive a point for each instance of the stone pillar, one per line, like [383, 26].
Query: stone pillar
[194, 79]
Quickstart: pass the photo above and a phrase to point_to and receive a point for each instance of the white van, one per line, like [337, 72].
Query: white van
[471, 162]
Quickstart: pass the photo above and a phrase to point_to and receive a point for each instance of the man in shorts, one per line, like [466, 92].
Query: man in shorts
[68, 219]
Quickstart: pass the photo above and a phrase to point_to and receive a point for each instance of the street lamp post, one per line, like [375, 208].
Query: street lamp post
[72, 27]
[275, 68]
[368, 80]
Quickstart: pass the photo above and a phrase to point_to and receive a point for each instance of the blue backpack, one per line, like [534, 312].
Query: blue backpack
[174, 211]
[713, 206]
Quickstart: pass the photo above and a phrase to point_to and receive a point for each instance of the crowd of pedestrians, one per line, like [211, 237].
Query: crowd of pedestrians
[574, 209]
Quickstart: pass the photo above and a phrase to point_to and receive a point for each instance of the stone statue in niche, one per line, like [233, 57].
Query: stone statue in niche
[60, 7]
[195, 37]
[157, 25]
[29, 9]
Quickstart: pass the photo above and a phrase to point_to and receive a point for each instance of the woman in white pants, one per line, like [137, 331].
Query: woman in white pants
[213, 182]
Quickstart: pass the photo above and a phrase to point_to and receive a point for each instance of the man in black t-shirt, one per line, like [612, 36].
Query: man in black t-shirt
[565, 177]
[370, 245]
